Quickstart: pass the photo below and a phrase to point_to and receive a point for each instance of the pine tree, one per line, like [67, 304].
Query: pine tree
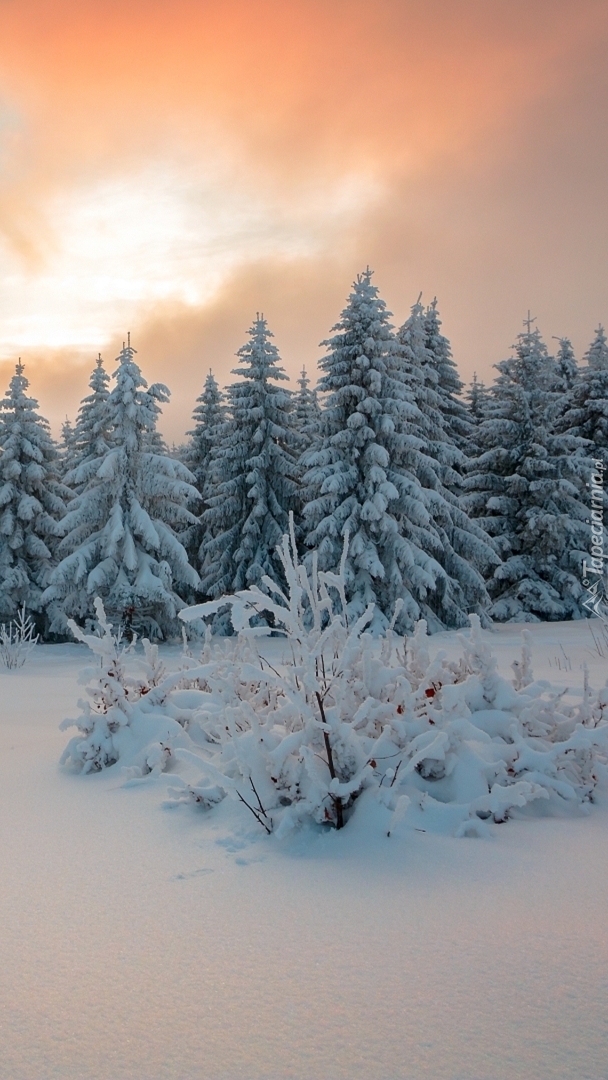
[347, 483]
[430, 454]
[566, 367]
[66, 447]
[254, 473]
[32, 500]
[420, 376]
[477, 398]
[119, 534]
[365, 479]
[527, 489]
[209, 416]
[445, 461]
[307, 411]
[91, 433]
[585, 410]
[449, 386]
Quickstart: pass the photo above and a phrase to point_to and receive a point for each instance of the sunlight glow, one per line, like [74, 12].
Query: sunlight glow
[126, 244]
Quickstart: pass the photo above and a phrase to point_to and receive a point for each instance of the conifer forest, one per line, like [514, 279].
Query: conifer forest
[453, 500]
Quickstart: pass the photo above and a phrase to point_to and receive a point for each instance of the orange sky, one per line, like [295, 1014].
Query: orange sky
[171, 168]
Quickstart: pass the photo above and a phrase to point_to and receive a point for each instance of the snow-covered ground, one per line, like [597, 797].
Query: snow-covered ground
[142, 943]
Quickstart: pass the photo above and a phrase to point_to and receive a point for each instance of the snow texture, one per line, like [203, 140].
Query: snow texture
[176, 944]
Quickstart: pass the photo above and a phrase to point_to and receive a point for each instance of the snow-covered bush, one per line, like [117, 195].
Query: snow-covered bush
[17, 640]
[450, 742]
[317, 718]
[115, 722]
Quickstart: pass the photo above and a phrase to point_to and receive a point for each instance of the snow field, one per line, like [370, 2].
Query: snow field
[154, 943]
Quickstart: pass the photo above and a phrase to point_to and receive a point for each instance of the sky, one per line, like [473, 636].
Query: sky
[172, 167]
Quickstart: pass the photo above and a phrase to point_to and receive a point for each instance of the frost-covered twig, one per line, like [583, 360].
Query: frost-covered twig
[17, 640]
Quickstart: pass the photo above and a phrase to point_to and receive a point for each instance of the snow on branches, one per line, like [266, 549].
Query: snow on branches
[114, 723]
[453, 743]
[307, 717]
[17, 640]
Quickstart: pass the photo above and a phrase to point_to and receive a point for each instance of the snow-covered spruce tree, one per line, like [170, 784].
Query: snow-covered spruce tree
[119, 535]
[91, 433]
[432, 384]
[430, 447]
[307, 412]
[527, 489]
[477, 397]
[66, 447]
[373, 478]
[209, 417]
[421, 378]
[449, 386]
[253, 472]
[32, 501]
[585, 408]
[566, 368]
[307, 422]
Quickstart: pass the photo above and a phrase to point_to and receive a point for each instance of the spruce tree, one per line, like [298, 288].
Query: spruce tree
[209, 416]
[307, 411]
[120, 538]
[430, 453]
[527, 490]
[253, 471]
[449, 386]
[405, 538]
[585, 410]
[442, 459]
[92, 430]
[32, 501]
[477, 398]
[566, 367]
[66, 448]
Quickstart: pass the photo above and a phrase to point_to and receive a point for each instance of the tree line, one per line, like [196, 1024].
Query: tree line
[454, 501]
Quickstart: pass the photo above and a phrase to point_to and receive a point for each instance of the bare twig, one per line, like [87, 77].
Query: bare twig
[330, 762]
[255, 792]
[396, 771]
[268, 664]
[255, 813]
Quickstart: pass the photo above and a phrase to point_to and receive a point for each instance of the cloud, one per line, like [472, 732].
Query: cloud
[177, 343]
[173, 167]
[285, 90]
